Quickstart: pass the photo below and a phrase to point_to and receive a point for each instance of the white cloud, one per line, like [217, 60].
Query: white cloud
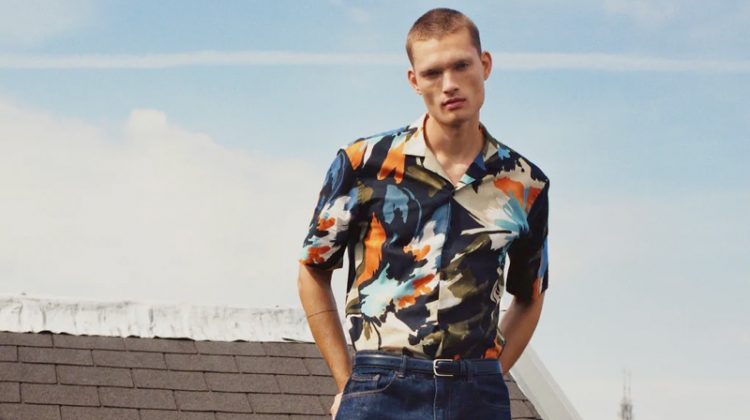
[155, 213]
[356, 14]
[612, 62]
[726, 28]
[644, 12]
[195, 58]
[601, 233]
[502, 61]
[28, 22]
[660, 397]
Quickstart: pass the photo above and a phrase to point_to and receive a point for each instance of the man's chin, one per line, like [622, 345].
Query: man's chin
[453, 119]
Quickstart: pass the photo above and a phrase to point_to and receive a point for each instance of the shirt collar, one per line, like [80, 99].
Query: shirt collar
[416, 144]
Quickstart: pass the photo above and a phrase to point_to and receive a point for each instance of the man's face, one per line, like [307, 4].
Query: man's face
[449, 73]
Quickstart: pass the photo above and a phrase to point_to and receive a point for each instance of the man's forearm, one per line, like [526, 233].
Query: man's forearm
[320, 307]
[518, 325]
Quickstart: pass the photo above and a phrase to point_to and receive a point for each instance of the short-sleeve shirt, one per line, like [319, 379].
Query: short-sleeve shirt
[427, 257]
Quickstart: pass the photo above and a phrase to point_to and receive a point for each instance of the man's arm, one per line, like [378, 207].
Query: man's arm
[317, 299]
[518, 325]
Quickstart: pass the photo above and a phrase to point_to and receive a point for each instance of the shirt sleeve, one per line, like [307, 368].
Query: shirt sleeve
[328, 233]
[528, 272]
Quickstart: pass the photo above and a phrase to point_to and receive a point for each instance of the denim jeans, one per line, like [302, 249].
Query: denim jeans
[384, 393]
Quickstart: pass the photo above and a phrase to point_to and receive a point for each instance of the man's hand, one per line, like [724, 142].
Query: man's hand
[335, 406]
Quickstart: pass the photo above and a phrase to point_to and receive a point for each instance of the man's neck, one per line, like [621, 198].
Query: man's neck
[459, 142]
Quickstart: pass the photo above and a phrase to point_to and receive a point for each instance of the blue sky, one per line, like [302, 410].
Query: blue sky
[134, 161]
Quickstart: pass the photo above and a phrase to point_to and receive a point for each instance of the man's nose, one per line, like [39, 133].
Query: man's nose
[449, 82]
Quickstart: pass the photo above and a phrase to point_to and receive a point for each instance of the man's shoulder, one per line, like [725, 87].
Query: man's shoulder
[361, 150]
[509, 162]
[381, 137]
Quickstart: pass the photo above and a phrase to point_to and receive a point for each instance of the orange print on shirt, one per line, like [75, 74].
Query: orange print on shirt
[315, 254]
[394, 162]
[510, 187]
[419, 254]
[356, 151]
[533, 194]
[515, 189]
[373, 250]
[420, 288]
[493, 352]
[324, 224]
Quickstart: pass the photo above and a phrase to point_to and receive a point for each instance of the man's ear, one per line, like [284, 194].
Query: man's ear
[486, 59]
[412, 78]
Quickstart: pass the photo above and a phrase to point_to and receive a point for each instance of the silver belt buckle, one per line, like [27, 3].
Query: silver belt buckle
[434, 367]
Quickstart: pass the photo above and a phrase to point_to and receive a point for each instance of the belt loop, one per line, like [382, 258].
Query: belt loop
[402, 368]
[469, 369]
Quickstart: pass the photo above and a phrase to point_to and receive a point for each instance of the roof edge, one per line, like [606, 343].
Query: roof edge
[129, 318]
[541, 389]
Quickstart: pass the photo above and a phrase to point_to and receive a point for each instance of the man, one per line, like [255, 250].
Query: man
[428, 214]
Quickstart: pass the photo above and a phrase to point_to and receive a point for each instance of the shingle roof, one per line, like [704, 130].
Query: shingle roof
[46, 376]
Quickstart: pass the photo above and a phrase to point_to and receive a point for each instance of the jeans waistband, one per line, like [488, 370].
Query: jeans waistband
[436, 367]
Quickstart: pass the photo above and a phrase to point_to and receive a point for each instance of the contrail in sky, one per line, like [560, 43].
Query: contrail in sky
[508, 61]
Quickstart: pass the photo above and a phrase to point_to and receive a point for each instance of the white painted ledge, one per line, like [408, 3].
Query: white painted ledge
[122, 319]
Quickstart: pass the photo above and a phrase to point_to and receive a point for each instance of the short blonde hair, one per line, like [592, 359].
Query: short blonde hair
[437, 23]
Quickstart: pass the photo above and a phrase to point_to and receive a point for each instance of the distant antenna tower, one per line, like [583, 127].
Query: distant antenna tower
[626, 406]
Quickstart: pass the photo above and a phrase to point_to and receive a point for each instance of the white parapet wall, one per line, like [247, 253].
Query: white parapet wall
[80, 317]
[139, 319]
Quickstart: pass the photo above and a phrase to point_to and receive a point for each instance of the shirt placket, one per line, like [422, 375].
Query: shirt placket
[475, 173]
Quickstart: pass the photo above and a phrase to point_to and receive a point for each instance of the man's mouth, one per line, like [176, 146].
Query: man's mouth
[453, 103]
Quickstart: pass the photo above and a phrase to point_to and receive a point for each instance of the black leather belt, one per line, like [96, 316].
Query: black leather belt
[437, 367]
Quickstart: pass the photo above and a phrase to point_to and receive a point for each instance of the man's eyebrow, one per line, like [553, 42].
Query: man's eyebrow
[430, 70]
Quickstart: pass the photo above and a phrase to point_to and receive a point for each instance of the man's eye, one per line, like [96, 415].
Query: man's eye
[462, 65]
[431, 74]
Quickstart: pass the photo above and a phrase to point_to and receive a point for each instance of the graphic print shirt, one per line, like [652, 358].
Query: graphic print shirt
[427, 257]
